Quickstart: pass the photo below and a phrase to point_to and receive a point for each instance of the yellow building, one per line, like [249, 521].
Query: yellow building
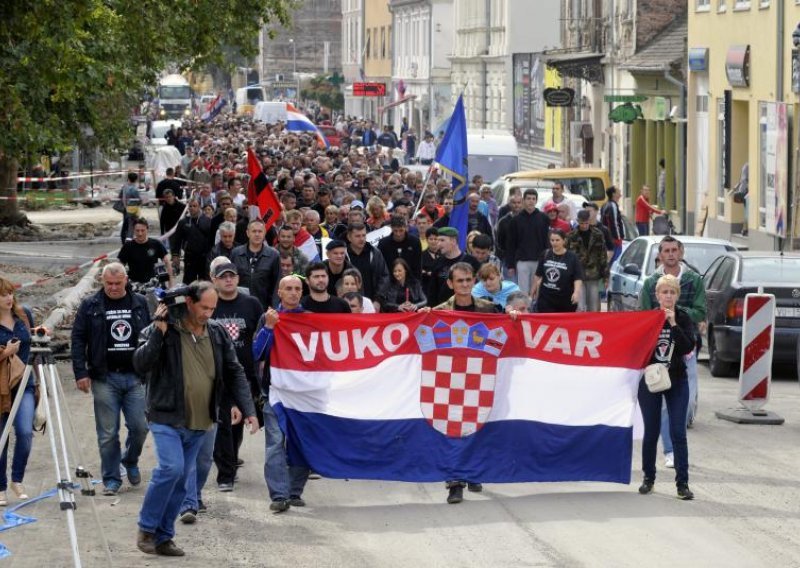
[740, 105]
[377, 52]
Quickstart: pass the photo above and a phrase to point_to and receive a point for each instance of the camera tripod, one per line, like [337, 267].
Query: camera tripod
[43, 365]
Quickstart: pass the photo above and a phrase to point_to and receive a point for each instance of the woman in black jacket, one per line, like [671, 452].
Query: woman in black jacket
[674, 343]
[403, 293]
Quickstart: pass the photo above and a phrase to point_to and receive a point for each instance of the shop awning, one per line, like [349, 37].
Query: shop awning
[580, 65]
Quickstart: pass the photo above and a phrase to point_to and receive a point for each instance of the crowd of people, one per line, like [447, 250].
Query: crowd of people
[357, 233]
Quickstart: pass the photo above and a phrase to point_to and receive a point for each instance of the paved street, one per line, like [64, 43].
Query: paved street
[746, 513]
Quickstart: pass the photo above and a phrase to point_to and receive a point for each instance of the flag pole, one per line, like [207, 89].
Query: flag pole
[430, 169]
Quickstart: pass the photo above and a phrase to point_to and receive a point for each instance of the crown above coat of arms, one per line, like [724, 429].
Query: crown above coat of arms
[477, 337]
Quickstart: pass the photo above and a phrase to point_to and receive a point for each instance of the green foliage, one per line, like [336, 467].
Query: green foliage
[68, 65]
[325, 91]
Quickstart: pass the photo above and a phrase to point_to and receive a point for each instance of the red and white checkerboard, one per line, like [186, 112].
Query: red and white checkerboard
[457, 392]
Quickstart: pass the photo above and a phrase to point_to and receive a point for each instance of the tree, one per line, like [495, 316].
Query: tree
[69, 68]
[325, 90]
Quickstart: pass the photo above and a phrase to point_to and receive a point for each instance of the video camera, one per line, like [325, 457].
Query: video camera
[174, 299]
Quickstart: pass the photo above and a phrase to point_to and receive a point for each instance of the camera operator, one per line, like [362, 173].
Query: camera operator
[141, 254]
[190, 366]
[238, 314]
[103, 341]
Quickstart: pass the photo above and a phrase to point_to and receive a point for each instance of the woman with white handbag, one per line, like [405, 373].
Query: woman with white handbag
[665, 379]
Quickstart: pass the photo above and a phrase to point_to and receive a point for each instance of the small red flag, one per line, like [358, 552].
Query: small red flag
[260, 192]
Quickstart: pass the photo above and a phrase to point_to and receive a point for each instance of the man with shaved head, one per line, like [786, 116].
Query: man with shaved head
[285, 483]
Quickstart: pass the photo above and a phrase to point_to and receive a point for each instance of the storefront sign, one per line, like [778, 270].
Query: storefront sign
[775, 156]
[626, 113]
[559, 97]
[624, 98]
[737, 65]
[369, 89]
[698, 59]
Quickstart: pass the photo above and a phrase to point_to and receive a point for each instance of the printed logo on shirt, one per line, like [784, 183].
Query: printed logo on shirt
[234, 326]
[121, 330]
[552, 274]
[663, 346]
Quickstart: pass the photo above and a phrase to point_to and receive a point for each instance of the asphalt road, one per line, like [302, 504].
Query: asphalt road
[746, 512]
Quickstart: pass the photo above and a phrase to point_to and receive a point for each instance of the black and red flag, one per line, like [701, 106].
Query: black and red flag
[260, 193]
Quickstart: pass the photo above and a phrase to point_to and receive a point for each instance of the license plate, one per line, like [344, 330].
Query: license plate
[787, 312]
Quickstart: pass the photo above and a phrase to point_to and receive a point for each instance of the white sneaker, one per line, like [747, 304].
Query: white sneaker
[669, 460]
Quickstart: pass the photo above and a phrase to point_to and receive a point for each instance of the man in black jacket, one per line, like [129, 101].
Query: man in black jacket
[503, 232]
[528, 240]
[258, 264]
[104, 335]
[368, 260]
[402, 245]
[190, 366]
[193, 235]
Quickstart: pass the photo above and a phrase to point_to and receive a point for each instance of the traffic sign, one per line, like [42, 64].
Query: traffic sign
[369, 89]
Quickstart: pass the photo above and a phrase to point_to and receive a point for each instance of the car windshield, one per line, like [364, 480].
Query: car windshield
[770, 269]
[698, 255]
[176, 92]
[590, 188]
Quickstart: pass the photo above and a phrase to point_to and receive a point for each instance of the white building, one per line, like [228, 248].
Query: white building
[423, 42]
[352, 53]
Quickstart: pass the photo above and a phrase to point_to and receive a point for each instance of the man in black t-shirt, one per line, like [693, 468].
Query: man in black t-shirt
[141, 254]
[318, 299]
[104, 336]
[169, 182]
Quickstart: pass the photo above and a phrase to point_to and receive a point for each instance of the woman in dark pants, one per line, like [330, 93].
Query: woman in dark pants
[675, 341]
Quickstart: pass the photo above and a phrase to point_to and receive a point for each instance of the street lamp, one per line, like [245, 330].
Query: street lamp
[294, 57]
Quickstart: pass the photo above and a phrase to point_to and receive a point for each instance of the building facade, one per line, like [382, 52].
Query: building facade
[744, 83]
[625, 60]
[496, 55]
[353, 52]
[378, 53]
[421, 82]
[312, 45]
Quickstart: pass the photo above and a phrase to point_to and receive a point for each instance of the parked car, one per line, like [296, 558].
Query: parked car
[638, 262]
[585, 184]
[728, 280]
[502, 186]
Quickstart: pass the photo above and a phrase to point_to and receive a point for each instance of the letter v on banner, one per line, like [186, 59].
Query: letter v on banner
[755, 374]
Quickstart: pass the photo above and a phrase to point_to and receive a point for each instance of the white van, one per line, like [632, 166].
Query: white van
[492, 154]
[247, 98]
[270, 112]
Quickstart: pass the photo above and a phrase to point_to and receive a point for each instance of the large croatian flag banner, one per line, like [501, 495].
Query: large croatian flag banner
[461, 396]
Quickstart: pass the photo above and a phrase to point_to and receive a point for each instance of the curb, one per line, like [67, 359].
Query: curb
[70, 302]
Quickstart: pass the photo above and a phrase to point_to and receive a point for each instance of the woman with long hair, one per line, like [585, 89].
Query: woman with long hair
[559, 277]
[403, 293]
[15, 336]
[351, 281]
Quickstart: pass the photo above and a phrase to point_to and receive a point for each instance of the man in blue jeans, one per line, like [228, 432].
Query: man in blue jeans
[285, 483]
[190, 365]
[104, 336]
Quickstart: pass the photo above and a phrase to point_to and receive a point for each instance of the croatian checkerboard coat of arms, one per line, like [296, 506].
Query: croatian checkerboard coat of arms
[459, 371]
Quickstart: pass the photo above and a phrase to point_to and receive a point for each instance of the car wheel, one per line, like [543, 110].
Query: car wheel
[718, 368]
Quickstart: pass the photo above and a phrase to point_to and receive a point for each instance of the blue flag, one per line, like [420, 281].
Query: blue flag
[451, 155]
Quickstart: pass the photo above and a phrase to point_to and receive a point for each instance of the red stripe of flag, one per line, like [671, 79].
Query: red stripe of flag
[260, 192]
[754, 350]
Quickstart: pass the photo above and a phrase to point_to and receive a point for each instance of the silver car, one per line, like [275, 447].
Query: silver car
[638, 262]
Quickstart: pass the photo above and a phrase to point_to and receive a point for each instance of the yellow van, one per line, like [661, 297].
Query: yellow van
[581, 184]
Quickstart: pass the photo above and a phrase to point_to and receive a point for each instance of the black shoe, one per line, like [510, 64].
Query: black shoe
[314, 475]
[684, 492]
[146, 542]
[239, 462]
[455, 494]
[296, 501]
[169, 549]
[225, 487]
[647, 486]
[201, 507]
[188, 517]
[475, 487]
[279, 505]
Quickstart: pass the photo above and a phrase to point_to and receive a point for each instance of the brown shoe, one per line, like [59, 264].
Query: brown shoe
[168, 548]
[146, 542]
